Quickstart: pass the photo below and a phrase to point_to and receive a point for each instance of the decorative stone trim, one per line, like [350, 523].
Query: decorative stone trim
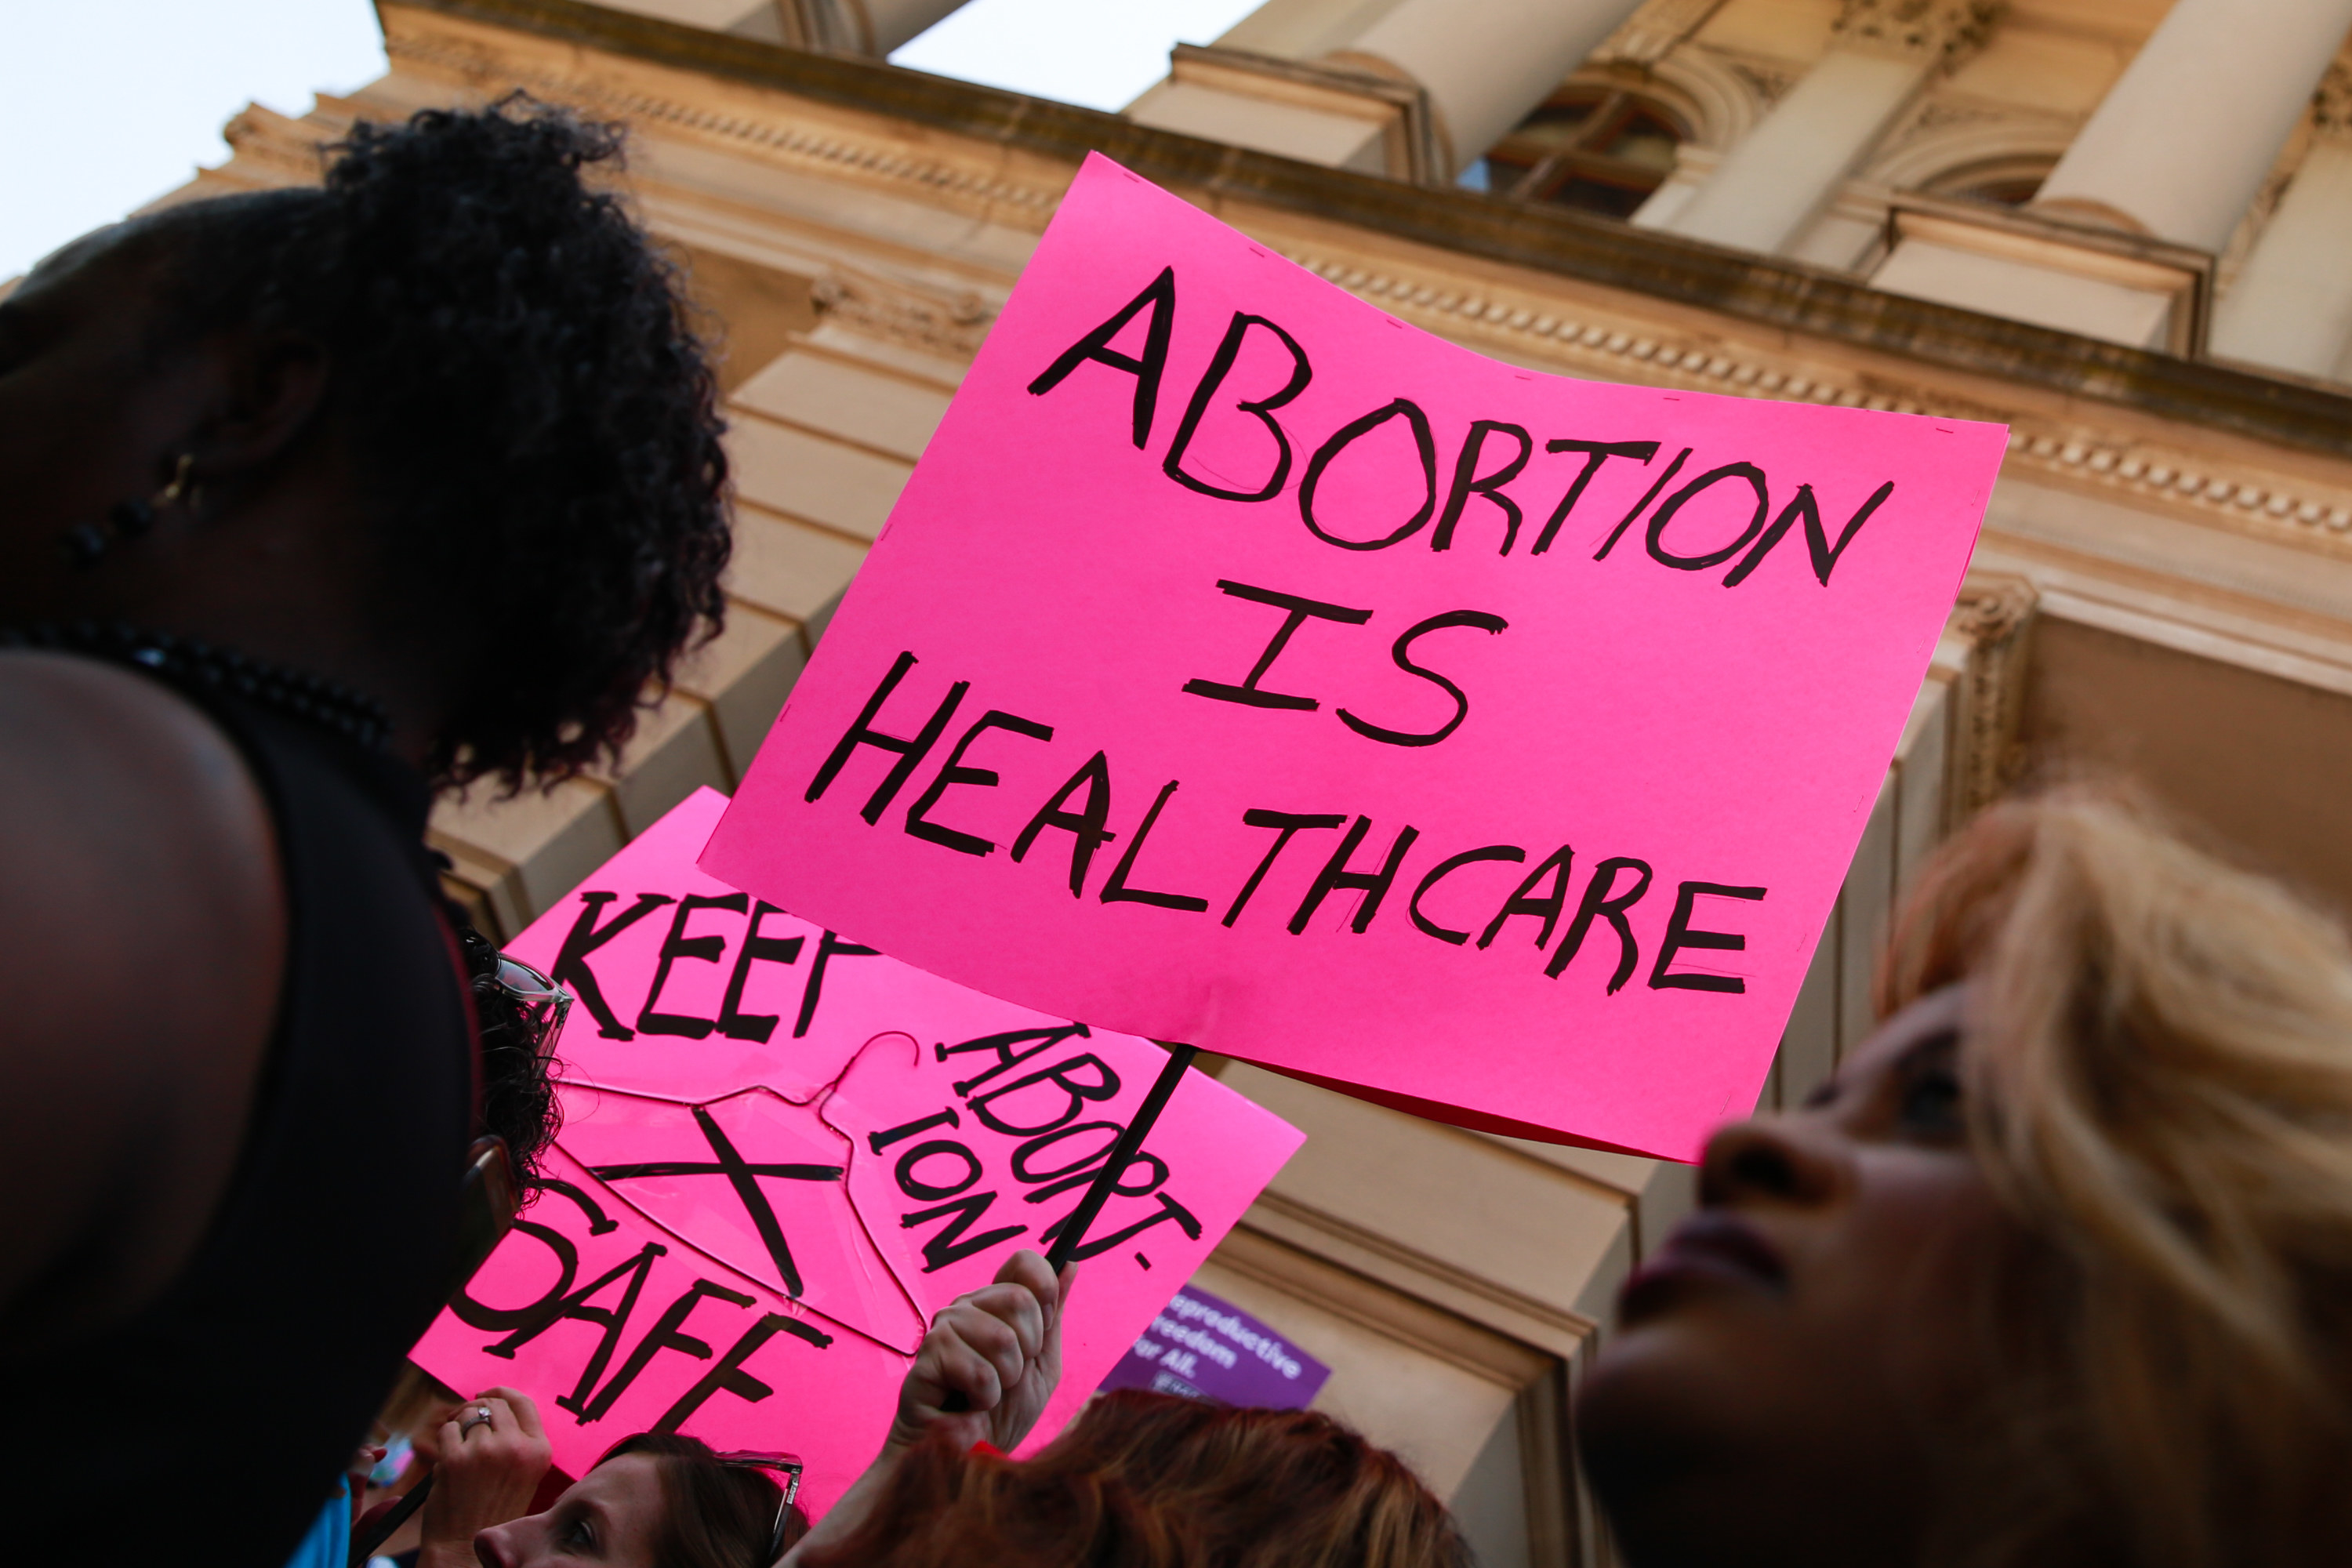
[1652, 31]
[768, 139]
[1995, 617]
[897, 313]
[2331, 106]
[2242, 501]
[1945, 31]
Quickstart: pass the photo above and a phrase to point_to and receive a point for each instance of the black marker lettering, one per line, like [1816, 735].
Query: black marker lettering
[633, 1269]
[1116, 891]
[1426, 443]
[1027, 1152]
[1600, 900]
[706, 949]
[1077, 1094]
[878, 1141]
[911, 752]
[1335, 875]
[669, 1333]
[742, 1175]
[1648, 496]
[1157, 1166]
[1468, 481]
[728, 1376]
[828, 948]
[948, 1244]
[479, 1315]
[585, 938]
[1548, 907]
[1247, 692]
[734, 1022]
[1285, 822]
[1259, 408]
[914, 1186]
[1595, 454]
[1169, 1209]
[955, 773]
[1679, 935]
[1825, 555]
[1006, 1056]
[1085, 828]
[1159, 296]
[1491, 624]
[1674, 503]
[1446, 869]
[598, 1223]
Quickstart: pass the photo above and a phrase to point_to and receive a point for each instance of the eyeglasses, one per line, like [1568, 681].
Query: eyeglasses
[786, 1469]
[541, 1001]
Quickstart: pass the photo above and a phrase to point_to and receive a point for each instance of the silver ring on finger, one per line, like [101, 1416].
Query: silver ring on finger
[477, 1416]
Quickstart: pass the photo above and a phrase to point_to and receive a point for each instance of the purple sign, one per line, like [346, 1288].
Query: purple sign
[1203, 1348]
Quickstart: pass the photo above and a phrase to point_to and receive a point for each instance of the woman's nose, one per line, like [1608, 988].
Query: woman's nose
[495, 1547]
[1768, 1160]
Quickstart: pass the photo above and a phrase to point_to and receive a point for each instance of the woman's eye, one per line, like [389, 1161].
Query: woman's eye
[1931, 1100]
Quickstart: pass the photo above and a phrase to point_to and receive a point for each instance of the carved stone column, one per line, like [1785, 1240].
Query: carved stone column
[1419, 93]
[1773, 183]
[2292, 305]
[873, 28]
[2183, 141]
[1485, 64]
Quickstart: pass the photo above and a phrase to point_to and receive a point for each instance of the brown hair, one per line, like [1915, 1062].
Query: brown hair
[714, 1514]
[1149, 1480]
[2158, 1066]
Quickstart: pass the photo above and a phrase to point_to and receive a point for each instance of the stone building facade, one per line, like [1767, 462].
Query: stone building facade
[2117, 226]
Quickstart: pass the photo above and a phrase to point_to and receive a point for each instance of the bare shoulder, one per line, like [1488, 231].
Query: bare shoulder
[143, 922]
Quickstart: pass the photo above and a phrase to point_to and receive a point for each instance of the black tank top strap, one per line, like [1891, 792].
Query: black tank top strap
[211, 1427]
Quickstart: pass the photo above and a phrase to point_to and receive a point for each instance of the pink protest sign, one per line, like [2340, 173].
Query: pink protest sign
[1242, 666]
[783, 1153]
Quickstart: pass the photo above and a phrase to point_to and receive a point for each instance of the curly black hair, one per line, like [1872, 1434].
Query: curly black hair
[518, 1062]
[533, 414]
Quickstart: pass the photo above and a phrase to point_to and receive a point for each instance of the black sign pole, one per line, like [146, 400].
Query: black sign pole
[1131, 1141]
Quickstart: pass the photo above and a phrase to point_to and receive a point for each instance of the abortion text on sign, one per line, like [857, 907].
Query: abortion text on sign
[1247, 667]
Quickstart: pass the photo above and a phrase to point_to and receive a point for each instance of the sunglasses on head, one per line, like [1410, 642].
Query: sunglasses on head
[785, 1470]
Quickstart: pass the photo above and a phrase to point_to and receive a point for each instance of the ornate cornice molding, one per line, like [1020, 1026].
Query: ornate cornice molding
[1995, 617]
[2331, 105]
[897, 312]
[1939, 32]
[1654, 31]
[1772, 298]
[774, 139]
[2230, 495]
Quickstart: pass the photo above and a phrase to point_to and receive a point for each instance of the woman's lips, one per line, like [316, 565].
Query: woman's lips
[1710, 1249]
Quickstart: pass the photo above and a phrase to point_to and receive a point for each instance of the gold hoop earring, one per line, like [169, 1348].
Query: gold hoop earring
[181, 490]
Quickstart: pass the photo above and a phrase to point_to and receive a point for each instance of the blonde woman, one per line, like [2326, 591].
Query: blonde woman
[2057, 1270]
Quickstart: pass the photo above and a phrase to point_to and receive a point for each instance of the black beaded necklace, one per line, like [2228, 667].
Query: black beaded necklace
[295, 693]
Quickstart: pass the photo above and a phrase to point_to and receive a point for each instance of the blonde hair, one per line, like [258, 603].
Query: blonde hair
[2158, 1066]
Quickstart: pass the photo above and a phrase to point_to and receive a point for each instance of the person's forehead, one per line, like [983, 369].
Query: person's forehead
[628, 1483]
[1937, 1014]
[104, 264]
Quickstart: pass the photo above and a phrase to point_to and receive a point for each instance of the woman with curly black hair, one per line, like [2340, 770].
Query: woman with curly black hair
[311, 501]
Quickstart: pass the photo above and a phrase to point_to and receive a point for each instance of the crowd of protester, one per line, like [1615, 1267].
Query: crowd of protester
[2057, 1269]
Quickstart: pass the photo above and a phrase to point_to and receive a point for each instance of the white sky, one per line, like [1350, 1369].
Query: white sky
[106, 104]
